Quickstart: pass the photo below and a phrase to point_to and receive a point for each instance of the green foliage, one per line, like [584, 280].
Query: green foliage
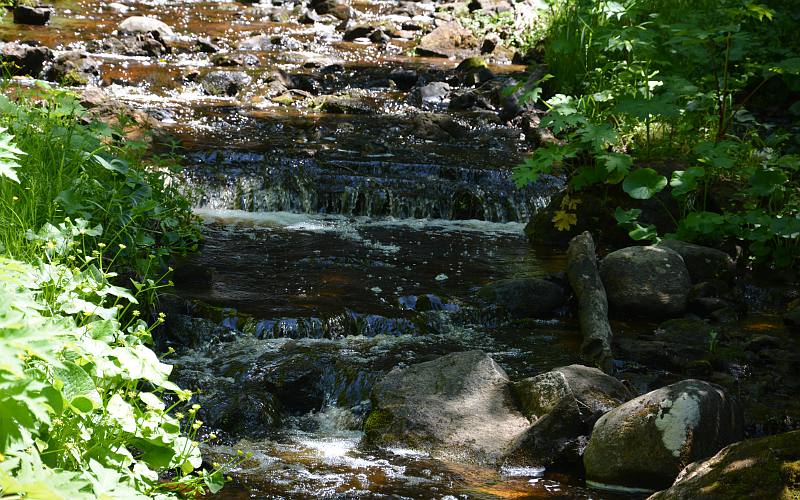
[83, 400]
[651, 79]
[78, 167]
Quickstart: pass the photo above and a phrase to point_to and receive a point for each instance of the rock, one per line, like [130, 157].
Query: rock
[232, 60]
[592, 302]
[135, 25]
[456, 404]
[22, 59]
[73, 68]
[143, 44]
[645, 442]
[526, 297]
[590, 390]
[448, 40]
[224, 83]
[490, 6]
[206, 46]
[337, 8]
[361, 31]
[792, 318]
[431, 96]
[703, 263]
[564, 404]
[344, 105]
[39, 16]
[767, 468]
[309, 17]
[647, 281]
[404, 78]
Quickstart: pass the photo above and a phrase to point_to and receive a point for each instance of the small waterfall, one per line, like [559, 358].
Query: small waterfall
[375, 188]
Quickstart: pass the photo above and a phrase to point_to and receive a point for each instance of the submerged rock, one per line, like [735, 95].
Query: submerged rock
[646, 281]
[525, 298]
[647, 441]
[38, 15]
[459, 405]
[768, 467]
[564, 404]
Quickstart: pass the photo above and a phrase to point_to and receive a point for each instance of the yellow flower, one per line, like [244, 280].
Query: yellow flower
[122, 246]
[136, 313]
[564, 220]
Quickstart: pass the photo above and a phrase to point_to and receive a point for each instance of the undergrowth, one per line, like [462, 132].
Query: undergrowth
[87, 224]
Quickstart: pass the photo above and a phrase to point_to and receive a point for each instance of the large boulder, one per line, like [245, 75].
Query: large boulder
[645, 442]
[526, 297]
[767, 468]
[564, 404]
[72, 68]
[135, 25]
[459, 404]
[449, 40]
[703, 263]
[646, 281]
[23, 59]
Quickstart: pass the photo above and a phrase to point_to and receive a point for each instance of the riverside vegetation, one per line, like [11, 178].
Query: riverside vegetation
[86, 226]
[689, 98]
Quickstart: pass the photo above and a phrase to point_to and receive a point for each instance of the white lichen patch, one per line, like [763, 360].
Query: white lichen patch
[678, 418]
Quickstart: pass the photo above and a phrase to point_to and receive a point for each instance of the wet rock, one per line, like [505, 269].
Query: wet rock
[564, 404]
[432, 96]
[361, 31]
[645, 442]
[232, 60]
[345, 105]
[448, 40]
[336, 8]
[73, 68]
[135, 25]
[459, 404]
[589, 390]
[22, 59]
[39, 15]
[309, 17]
[143, 44]
[681, 344]
[649, 281]
[792, 318]
[206, 46]
[224, 83]
[768, 467]
[379, 36]
[404, 78]
[703, 263]
[526, 297]
[490, 6]
[188, 331]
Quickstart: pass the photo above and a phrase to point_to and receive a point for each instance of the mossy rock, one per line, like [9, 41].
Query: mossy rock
[767, 468]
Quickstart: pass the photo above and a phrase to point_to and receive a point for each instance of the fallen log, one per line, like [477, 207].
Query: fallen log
[592, 302]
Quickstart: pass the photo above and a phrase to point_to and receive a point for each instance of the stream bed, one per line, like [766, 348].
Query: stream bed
[354, 197]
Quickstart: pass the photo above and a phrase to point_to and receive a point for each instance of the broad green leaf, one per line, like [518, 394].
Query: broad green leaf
[643, 183]
[79, 388]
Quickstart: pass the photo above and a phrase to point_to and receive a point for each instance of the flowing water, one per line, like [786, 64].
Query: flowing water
[338, 245]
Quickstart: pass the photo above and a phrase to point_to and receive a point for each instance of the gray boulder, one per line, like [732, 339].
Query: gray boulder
[766, 468]
[703, 263]
[526, 297]
[645, 442]
[135, 25]
[224, 83]
[73, 67]
[646, 281]
[564, 404]
[459, 404]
